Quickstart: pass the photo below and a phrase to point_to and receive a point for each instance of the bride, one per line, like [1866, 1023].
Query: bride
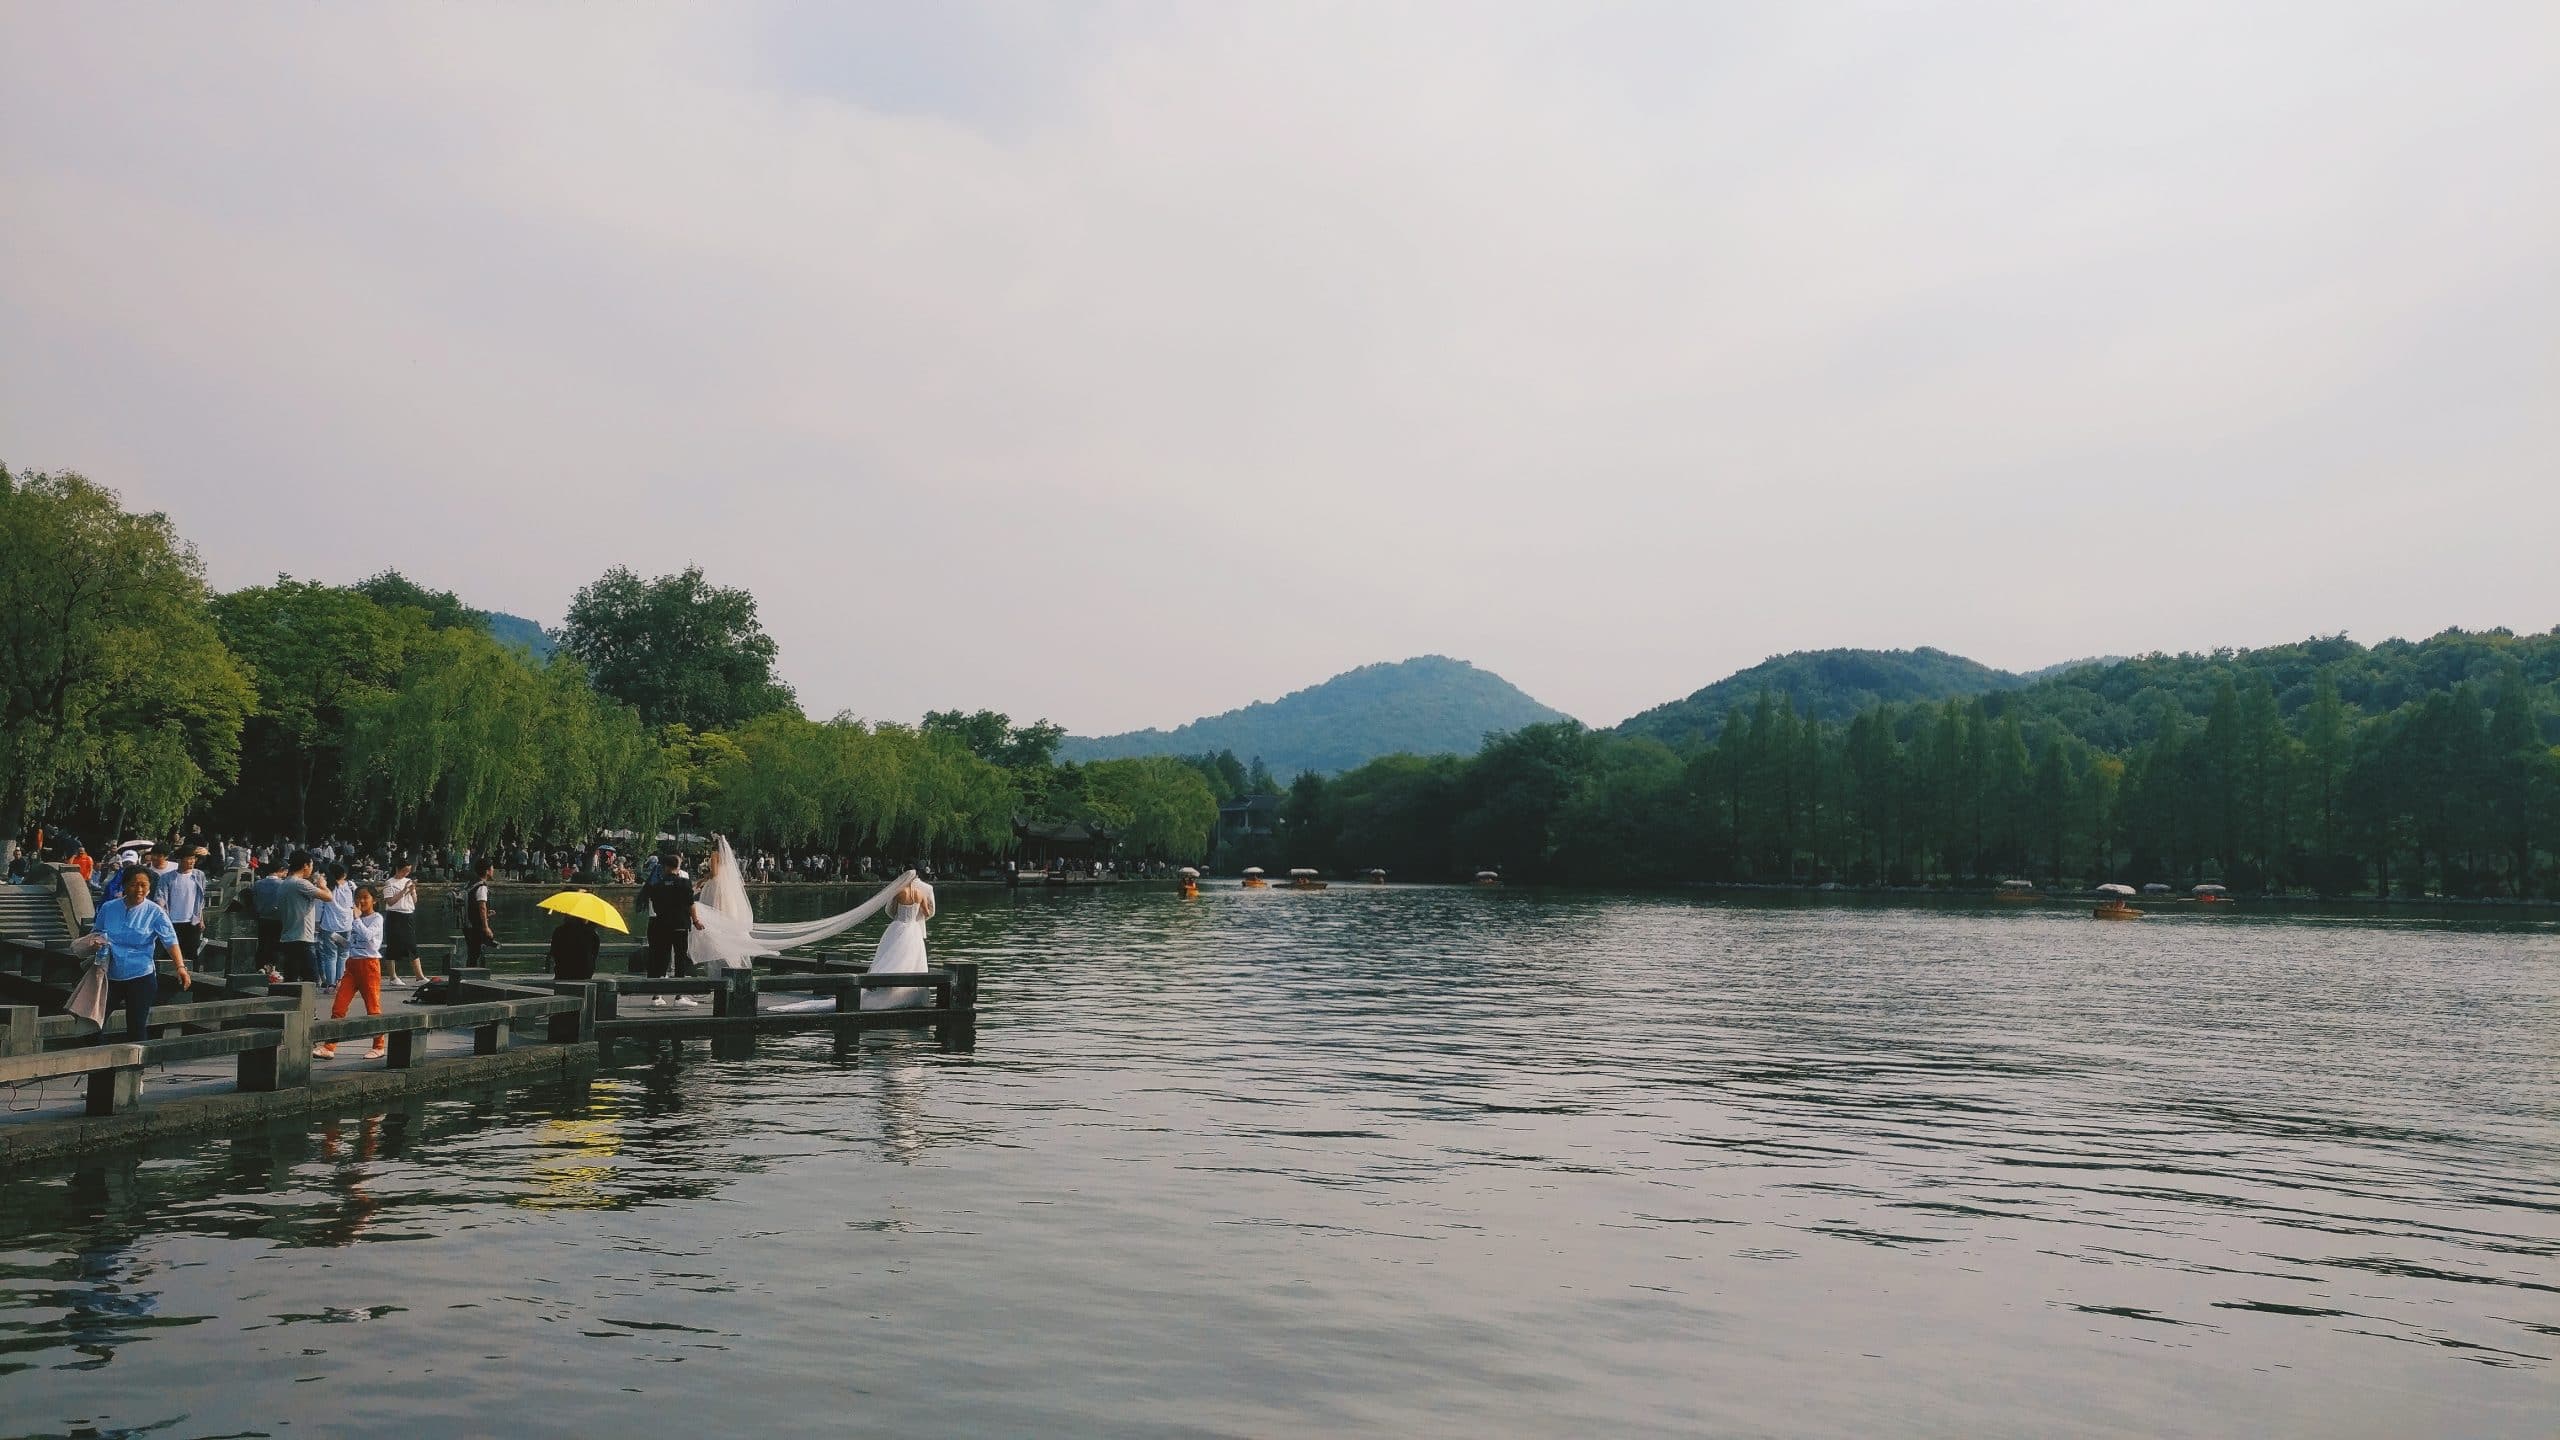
[723, 936]
[901, 949]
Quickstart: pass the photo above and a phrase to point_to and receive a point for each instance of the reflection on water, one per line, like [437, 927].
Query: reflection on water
[1410, 1161]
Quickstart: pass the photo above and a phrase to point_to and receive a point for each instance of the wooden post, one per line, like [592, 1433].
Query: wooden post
[578, 1025]
[964, 985]
[405, 1045]
[288, 1065]
[18, 1030]
[736, 995]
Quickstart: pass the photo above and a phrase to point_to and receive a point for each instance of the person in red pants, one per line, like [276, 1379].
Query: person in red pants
[363, 977]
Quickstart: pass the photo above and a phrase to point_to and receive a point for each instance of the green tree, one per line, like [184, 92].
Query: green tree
[678, 649]
[114, 689]
[315, 652]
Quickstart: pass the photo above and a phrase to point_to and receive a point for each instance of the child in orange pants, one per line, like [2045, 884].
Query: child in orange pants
[364, 975]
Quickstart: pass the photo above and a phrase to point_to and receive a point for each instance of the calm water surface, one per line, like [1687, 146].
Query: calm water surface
[1426, 1162]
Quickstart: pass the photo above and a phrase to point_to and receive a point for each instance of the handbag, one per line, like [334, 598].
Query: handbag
[89, 997]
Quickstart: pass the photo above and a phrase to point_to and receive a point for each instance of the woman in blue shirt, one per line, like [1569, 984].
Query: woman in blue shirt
[137, 931]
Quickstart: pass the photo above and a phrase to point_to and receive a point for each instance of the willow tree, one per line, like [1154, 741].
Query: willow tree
[848, 785]
[477, 743]
[115, 692]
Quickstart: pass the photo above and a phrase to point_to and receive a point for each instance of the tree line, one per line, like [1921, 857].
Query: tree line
[134, 697]
[2409, 768]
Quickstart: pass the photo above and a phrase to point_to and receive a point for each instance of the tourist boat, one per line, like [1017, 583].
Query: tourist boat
[1377, 877]
[1190, 882]
[1253, 878]
[2015, 890]
[1304, 880]
[2111, 906]
[2211, 895]
[1488, 877]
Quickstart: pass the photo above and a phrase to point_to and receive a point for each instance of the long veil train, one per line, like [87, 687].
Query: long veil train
[726, 897]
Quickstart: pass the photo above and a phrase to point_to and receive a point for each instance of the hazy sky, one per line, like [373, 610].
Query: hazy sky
[1121, 364]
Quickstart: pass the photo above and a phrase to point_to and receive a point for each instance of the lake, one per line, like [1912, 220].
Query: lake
[1409, 1161]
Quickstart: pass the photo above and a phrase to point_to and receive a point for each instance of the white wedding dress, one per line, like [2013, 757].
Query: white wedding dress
[901, 952]
[730, 938]
[724, 936]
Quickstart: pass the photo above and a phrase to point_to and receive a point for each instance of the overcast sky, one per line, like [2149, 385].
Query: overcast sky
[1122, 364]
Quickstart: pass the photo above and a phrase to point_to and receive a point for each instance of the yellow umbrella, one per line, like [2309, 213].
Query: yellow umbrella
[586, 907]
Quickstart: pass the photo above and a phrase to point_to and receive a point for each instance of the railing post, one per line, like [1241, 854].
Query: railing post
[403, 1049]
[579, 1025]
[606, 998]
[113, 1092]
[736, 995]
[964, 984]
[489, 1039]
[288, 1065]
[18, 1031]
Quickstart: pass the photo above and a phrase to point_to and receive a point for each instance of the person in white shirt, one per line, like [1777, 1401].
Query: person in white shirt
[180, 890]
[400, 925]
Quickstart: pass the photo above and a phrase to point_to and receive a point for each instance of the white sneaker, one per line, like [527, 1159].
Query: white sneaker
[688, 1002]
[658, 1004]
[396, 983]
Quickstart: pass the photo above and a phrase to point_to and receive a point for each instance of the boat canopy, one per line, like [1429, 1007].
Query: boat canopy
[1187, 873]
[2155, 888]
[1374, 870]
[2114, 889]
[2211, 890]
[1302, 872]
[2017, 884]
[1488, 874]
[1253, 870]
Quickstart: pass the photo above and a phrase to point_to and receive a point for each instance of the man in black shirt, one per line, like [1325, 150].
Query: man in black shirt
[670, 902]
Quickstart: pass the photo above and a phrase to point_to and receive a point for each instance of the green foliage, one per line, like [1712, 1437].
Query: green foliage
[679, 649]
[115, 691]
[1157, 807]
[1822, 684]
[315, 653]
[477, 743]
[851, 787]
[1424, 706]
[2453, 789]
[992, 736]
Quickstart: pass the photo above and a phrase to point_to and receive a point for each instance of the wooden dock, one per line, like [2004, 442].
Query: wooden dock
[518, 1027]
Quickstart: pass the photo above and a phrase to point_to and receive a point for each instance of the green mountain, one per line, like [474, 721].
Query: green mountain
[1829, 684]
[1429, 705]
[518, 631]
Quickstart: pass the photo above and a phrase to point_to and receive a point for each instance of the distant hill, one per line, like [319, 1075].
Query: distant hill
[1830, 684]
[2065, 667]
[1429, 705]
[518, 631]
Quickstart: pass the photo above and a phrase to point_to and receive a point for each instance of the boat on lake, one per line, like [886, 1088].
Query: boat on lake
[1304, 880]
[1190, 882]
[1253, 878]
[1488, 877]
[2015, 890]
[2211, 895]
[2111, 903]
[1377, 877]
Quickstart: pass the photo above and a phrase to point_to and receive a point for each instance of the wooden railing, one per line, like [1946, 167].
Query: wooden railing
[272, 1035]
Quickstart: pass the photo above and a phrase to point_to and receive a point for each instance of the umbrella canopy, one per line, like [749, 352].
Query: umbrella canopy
[1253, 870]
[2211, 890]
[578, 904]
[2115, 889]
[1187, 873]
